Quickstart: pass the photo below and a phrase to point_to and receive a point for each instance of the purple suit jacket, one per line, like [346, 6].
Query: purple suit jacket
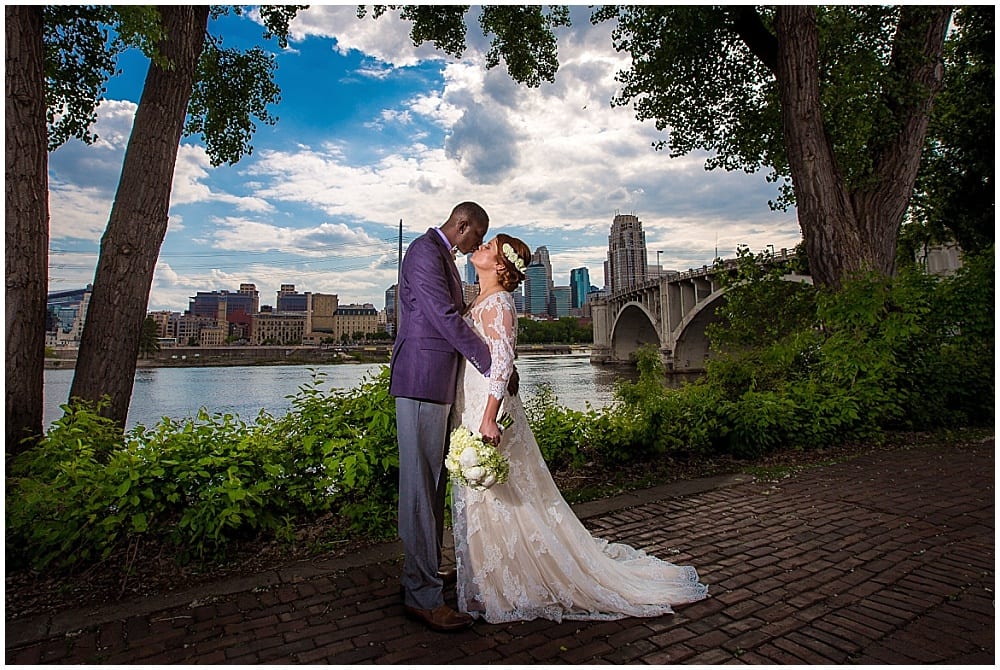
[432, 335]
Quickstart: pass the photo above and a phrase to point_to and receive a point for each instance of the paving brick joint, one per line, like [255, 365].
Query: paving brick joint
[887, 558]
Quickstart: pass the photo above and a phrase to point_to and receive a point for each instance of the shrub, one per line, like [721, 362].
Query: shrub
[88, 491]
[347, 440]
[561, 433]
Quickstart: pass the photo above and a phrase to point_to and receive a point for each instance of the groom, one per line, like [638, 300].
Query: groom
[431, 338]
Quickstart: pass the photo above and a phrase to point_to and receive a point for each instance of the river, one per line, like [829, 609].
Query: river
[179, 392]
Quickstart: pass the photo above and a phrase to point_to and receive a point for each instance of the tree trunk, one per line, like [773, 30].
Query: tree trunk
[826, 216]
[917, 62]
[109, 345]
[847, 232]
[26, 231]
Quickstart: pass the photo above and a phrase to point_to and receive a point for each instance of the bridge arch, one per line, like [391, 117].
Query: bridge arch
[633, 327]
[690, 342]
[690, 350]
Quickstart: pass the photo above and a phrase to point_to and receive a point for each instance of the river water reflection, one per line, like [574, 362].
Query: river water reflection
[246, 390]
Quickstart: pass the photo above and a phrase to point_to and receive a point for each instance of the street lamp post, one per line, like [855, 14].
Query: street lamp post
[659, 268]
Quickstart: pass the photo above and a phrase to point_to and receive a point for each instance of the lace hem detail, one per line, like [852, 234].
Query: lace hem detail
[522, 553]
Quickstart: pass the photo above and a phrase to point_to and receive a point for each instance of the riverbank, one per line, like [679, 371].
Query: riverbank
[177, 357]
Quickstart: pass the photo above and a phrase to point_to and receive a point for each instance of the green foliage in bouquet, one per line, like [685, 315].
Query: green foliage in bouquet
[474, 463]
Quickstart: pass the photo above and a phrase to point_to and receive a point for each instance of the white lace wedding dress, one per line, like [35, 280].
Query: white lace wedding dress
[521, 552]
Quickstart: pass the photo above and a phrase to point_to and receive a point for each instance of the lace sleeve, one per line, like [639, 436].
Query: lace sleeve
[499, 322]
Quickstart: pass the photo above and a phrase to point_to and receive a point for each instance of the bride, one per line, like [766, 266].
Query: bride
[521, 552]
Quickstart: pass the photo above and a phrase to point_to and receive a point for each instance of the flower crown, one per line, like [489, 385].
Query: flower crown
[511, 255]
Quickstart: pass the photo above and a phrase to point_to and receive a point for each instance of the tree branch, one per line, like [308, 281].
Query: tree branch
[761, 41]
[916, 76]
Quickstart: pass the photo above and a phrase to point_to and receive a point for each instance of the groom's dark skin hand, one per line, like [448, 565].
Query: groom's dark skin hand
[512, 383]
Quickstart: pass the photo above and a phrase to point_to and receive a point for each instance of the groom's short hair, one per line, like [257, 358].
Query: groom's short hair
[471, 212]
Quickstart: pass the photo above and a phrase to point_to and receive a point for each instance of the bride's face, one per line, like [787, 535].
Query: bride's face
[485, 257]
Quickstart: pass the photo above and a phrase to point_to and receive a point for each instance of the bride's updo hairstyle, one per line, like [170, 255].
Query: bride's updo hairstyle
[514, 255]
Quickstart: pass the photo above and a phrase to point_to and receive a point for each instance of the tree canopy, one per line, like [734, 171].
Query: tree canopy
[521, 35]
[833, 100]
[955, 198]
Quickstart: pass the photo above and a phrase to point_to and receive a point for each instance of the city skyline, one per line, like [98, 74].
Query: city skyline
[372, 131]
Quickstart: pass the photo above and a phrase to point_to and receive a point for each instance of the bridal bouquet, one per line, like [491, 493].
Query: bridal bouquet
[474, 463]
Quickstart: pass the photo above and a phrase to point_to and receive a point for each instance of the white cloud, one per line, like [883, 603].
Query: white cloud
[77, 212]
[71, 269]
[323, 241]
[386, 39]
[192, 175]
[551, 165]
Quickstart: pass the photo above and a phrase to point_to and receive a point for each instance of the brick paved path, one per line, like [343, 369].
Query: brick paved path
[887, 558]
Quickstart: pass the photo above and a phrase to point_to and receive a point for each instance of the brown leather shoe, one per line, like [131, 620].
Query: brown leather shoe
[442, 619]
[448, 577]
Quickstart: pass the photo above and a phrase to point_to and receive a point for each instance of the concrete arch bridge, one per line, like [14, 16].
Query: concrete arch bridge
[670, 312]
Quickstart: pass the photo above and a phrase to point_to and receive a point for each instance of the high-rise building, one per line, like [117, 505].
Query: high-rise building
[559, 305]
[579, 284]
[289, 300]
[536, 290]
[222, 305]
[469, 292]
[321, 310]
[251, 291]
[541, 256]
[390, 308]
[66, 315]
[470, 271]
[519, 299]
[626, 265]
[538, 283]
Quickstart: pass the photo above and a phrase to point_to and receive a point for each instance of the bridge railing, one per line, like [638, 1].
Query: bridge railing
[782, 256]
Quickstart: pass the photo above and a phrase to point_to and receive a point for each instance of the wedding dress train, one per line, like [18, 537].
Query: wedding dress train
[521, 552]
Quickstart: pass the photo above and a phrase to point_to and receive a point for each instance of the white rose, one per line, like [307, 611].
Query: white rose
[469, 457]
[474, 474]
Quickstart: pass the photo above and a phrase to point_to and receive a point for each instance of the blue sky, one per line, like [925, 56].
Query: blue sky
[372, 130]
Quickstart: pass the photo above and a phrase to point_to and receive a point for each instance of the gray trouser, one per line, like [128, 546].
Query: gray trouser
[422, 429]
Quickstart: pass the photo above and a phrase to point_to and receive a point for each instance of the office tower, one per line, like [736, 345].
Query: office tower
[559, 305]
[626, 265]
[67, 314]
[541, 256]
[579, 283]
[469, 293]
[519, 299]
[536, 290]
[470, 271]
[390, 305]
[251, 291]
[223, 305]
[289, 300]
[538, 283]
